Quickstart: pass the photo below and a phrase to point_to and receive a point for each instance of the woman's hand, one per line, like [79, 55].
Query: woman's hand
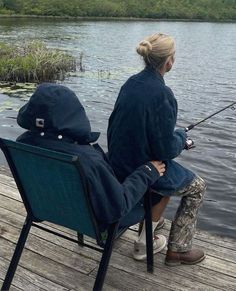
[160, 167]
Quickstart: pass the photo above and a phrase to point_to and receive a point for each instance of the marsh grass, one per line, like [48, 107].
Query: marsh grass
[33, 62]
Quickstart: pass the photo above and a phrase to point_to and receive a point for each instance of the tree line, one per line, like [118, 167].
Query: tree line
[157, 9]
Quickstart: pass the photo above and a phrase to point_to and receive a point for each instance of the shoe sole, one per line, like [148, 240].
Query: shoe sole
[178, 263]
[143, 257]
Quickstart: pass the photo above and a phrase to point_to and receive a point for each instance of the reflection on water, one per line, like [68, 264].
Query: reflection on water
[203, 80]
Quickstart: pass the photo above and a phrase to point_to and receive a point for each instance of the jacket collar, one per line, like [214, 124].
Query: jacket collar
[154, 73]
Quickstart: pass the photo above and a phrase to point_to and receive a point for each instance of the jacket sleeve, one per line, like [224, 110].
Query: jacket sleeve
[118, 199]
[166, 143]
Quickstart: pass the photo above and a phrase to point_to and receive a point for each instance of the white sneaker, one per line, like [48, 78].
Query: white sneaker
[159, 243]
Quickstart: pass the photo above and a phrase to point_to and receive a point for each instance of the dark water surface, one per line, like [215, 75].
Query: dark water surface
[203, 80]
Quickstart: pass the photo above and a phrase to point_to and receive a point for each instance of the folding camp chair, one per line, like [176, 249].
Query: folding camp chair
[54, 188]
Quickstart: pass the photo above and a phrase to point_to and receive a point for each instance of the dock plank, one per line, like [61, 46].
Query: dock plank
[13, 288]
[47, 268]
[55, 264]
[23, 279]
[203, 273]
[50, 250]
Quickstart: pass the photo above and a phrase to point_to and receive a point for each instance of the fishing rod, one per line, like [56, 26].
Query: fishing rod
[191, 126]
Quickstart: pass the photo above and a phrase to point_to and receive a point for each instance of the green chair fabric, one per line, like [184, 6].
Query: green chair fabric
[53, 187]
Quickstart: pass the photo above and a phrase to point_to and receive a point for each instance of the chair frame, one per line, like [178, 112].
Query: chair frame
[105, 248]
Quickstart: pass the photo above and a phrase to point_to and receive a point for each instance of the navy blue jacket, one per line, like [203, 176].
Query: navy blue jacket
[55, 119]
[142, 128]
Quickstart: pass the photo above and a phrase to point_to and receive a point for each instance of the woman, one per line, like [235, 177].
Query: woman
[55, 119]
[141, 128]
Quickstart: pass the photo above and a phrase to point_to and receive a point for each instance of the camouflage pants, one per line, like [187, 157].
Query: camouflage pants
[184, 224]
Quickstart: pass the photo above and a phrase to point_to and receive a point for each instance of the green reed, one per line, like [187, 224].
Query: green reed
[33, 62]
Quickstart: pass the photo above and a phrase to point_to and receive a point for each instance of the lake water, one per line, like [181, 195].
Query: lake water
[203, 80]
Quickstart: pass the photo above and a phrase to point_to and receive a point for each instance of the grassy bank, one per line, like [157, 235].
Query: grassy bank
[33, 62]
[208, 10]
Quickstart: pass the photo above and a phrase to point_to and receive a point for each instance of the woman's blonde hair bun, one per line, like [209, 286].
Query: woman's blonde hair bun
[144, 48]
[155, 49]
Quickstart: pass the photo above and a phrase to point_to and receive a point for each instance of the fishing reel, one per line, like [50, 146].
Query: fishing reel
[189, 144]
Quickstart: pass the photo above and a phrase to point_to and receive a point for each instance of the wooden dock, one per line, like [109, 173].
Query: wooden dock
[54, 264]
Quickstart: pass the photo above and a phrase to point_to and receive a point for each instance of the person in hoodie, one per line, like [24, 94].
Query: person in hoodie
[55, 119]
[141, 128]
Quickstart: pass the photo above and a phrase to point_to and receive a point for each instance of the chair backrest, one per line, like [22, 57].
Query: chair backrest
[52, 186]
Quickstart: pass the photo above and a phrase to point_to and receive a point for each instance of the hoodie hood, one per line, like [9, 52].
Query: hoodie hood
[55, 109]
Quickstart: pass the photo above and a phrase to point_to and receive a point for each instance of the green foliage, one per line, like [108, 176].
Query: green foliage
[15, 5]
[33, 62]
[170, 9]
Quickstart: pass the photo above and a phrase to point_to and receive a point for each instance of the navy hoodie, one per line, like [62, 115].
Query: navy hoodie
[142, 128]
[55, 119]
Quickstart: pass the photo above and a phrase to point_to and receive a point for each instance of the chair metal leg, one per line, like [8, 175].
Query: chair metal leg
[80, 238]
[102, 270]
[149, 235]
[17, 254]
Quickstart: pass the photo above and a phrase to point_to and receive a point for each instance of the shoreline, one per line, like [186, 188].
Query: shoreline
[102, 18]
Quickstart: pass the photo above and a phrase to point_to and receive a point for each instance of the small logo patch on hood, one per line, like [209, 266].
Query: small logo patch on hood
[39, 122]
